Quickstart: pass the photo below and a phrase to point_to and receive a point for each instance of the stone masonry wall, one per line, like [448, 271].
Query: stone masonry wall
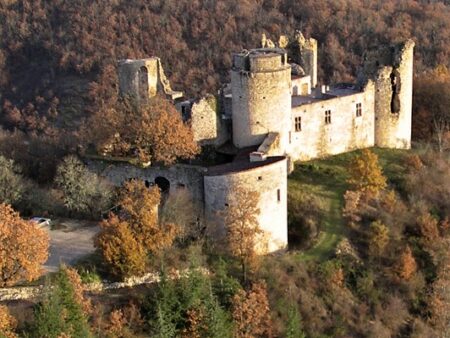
[261, 104]
[271, 182]
[206, 122]
[345, 132]
[180, 176]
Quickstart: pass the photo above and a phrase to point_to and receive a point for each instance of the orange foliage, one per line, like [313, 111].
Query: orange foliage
[7, 323]
[126, 239]
[428, 227]
[78, 290]
[251, 312]
[195, 323]
[24, 247]
[153, 133]
[406, 265]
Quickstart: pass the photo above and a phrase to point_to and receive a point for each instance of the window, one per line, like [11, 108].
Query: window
[278, 195]
[298, 123]
[327, 116]
[259, 178]
[358, 110]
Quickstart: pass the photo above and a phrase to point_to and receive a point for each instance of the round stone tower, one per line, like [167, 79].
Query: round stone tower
[261, 97]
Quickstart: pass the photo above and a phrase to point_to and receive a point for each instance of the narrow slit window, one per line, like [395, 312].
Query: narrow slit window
[327, 116]
[358, 109]
[298, 123]
[278, 195]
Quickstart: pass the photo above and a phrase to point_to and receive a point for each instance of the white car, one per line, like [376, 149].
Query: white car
[41, 221]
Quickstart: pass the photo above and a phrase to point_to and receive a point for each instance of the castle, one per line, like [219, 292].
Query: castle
[272, 114]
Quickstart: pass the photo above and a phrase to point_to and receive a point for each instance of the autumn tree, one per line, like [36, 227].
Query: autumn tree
[243, 234]
[7, 323]
[428, 227]
[406, 265]
[431, 102]
[24, 247]
[83, 190]
[154, 132]
[119, 248]
[251, 312]
[129, 237]
[366, 174]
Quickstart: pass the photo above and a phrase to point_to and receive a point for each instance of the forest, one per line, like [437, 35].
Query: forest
[388, 211]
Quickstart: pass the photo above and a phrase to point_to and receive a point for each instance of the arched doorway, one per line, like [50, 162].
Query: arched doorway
[143, 84]
[163, 184]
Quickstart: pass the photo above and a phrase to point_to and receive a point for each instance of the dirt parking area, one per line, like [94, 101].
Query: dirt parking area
[70, 241]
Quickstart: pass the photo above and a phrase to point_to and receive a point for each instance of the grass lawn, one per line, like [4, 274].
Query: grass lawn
[326, 178]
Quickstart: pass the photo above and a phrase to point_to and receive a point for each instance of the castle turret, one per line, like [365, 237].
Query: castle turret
[261, 97]
[144, 78]
[304, 52]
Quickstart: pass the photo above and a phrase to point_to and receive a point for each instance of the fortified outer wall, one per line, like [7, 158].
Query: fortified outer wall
[206, 122]
[269, 178]
[261, 98]
[179, 176]
[345, 132]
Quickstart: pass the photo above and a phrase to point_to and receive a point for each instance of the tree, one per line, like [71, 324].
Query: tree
[61, 313]
[83, 190]
[251, 312]
[242, 228]
[428, 227]
[139, 208]
[12, 185]
[366, 174]
[378, 238]
[294, 323]
[24, 247]
[119, 248]
[7, 323]
[406, 265]
[154, 132]
[128, 238]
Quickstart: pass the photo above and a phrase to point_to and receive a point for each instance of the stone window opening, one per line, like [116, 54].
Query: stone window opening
[298, 123]
[227, 205]
[358, 109]
[327, 116]
[143, 84]
[395, 85]
[259, 178]
[278, 195]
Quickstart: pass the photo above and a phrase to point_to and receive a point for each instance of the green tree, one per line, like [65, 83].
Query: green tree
[60, 313]
[12, 184]
[378, 238]
[294, 322]
[83, 190]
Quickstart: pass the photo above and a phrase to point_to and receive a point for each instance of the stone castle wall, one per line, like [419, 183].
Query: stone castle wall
[393, 99]
[270, 180]
[207, 124]
[261, 98]
[345, 132]
[179, 176]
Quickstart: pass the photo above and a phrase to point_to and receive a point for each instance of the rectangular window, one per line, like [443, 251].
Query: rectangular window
[279, 195]
[358, 109]
[327, 116]
[298, 123]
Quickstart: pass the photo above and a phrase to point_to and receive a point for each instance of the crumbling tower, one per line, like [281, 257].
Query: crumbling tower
[304, 52]
[144, 78]
[261, 97]
[391, 68]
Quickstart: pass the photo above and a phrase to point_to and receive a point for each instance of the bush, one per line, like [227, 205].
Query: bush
[305, 215]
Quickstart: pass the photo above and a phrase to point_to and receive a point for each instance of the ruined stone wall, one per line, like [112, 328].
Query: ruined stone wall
[345, 132]
[207, 124]
[261, 98]
[180, 176]
[393, 101]
[271, 182]
[143, 79]
[304, 52]
[301, 85]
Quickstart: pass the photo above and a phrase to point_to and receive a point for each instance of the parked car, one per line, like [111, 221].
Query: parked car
[41, 221]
